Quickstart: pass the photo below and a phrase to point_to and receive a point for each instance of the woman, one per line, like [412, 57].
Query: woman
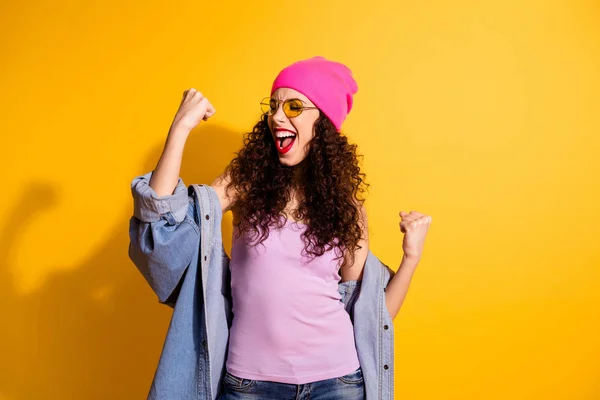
[299, 229]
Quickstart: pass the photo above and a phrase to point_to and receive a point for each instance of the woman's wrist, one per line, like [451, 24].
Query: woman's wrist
[178, 130]
[409, 262]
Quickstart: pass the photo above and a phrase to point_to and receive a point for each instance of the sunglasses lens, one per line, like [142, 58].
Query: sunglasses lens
[292, 108]
[272, 106]
[266, 105]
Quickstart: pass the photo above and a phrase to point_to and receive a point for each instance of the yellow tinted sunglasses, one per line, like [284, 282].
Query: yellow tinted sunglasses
[291, 107]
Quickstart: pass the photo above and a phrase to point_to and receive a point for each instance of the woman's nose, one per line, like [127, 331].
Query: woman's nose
[279, 114]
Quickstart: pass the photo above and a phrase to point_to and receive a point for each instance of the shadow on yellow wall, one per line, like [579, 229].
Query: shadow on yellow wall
[68, 339]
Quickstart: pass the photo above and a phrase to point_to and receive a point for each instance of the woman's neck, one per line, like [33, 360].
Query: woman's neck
[299, 174]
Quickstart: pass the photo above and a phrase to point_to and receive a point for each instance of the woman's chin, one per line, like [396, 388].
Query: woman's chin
[292, 157]
[290, 161]
[287, 161]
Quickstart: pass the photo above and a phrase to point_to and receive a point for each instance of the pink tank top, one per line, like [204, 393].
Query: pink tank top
[289, 324]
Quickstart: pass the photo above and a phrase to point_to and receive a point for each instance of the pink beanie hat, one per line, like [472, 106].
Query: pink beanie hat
[328, 84]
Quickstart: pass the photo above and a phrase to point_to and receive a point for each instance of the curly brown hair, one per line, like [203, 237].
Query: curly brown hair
[328, 183]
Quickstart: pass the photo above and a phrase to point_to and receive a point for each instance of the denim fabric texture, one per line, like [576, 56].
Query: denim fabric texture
[347, 387]
[176, 244]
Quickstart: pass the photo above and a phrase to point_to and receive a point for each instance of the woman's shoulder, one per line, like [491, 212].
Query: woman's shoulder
[227, 196]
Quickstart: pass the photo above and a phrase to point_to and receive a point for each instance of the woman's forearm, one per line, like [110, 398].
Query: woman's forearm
[398, 286]
[166, 174]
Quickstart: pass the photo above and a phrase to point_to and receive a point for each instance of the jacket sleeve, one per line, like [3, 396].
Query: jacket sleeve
[163, 236]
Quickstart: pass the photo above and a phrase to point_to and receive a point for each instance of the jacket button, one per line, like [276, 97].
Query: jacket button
[384, 327]
[205, 260]
[385, 366]
[207, 216]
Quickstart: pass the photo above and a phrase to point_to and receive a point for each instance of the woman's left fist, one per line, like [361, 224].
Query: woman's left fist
[414, 225]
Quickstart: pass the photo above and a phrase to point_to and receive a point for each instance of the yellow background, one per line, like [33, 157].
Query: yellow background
[485, 115]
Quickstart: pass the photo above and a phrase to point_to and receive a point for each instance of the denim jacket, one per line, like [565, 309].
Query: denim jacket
[176, 243]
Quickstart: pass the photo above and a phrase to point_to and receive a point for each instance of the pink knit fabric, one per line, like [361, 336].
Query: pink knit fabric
[328, 84]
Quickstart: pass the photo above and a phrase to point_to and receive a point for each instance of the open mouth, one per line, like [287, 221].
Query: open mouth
[285, 140]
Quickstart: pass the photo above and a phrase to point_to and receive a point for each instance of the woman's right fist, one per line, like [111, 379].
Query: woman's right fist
[193, 108]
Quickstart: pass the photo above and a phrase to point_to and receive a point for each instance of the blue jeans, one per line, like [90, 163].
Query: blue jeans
[347, 387]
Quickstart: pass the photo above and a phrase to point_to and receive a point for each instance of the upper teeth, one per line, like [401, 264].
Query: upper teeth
[285, 134]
